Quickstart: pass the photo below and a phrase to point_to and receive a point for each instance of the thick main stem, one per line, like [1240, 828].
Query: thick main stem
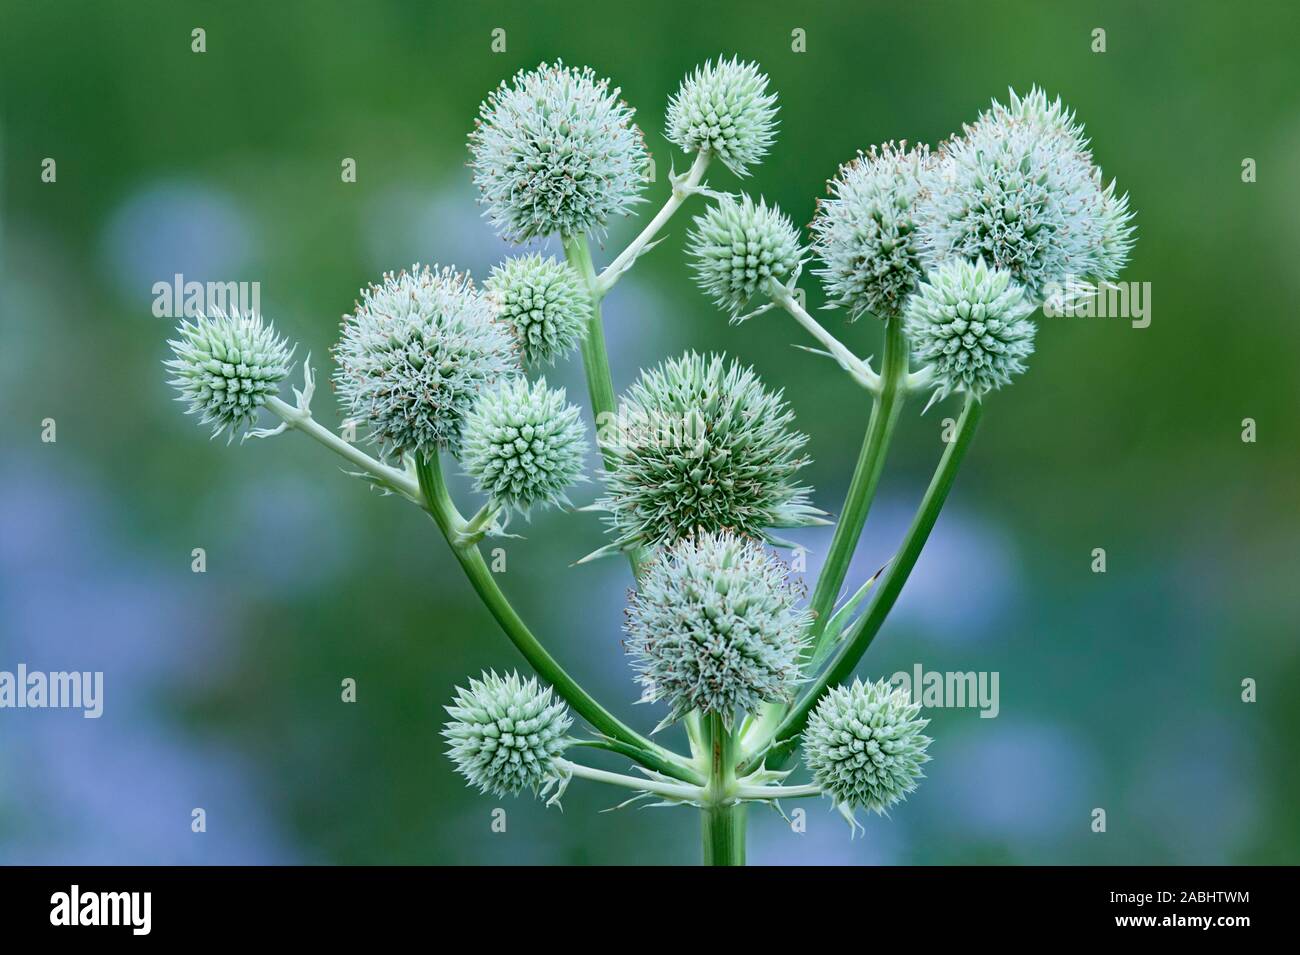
[723, 816]
[595, 357]
[444, 512]
[864, 630]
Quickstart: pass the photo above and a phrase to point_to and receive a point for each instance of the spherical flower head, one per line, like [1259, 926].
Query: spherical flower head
[864, 745]
[701, 445]
[715, 626]
[1019, 189]
[738, 247]
[726, 110]
[556, 152]
[226, 366]
[524, 444]
[415, 355]
[544, 301]
[505, 734]
[866, 233]
[970, 323]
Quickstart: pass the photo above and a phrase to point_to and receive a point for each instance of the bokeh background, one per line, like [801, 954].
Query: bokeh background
[1120, 691]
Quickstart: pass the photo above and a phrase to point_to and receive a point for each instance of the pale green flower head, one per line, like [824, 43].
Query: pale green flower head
[724, 109]
[716, 626]
[415, 355]
[556, 152]
[864, 745]
[737, 247]
[226, 366]
[1019, 189]
[524, 445]
[866, 233]
[971, 324]
[702, 446]
[505, 734]
[544, 301]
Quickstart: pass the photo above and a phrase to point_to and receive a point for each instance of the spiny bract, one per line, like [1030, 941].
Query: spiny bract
[415, 355]
[556, 152]
[715, 626]
[865, 233]
[505, 734]
[524, 444]
[700, 445]
[970, 323]
[1020, 190]
[226, 367]
[864, 745]
[726, 109]
[738, 246]
[544, 301]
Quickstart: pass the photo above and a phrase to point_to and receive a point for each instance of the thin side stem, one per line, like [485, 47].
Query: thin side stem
[390, 477]
[778, 792]
[864, 630]
[850, 362]
[449, 521]
[671, 790]
[683, 188]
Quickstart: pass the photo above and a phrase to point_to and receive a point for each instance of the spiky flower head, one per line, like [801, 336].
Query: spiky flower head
[970, 323]
[415, 355]
[701, 445]
[226, 366]
[544, 301]
[864, 745]
[1019, 189]
[524, 444]
[725, 109]
[556, 151]
[715, 626]
[505, 734]
[865, 234]
[738, 246]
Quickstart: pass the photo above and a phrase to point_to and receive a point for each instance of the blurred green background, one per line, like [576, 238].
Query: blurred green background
[1120, 691]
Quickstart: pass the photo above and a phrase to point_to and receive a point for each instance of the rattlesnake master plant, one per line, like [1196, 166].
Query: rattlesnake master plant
[952, 250]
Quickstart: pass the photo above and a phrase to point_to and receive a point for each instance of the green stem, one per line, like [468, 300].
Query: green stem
[723, 816]
[449, 521]
[724, 834]
[853, 516]
[595, 359]
[864, 630]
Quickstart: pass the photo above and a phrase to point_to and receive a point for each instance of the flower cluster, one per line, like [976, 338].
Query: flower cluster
[556, 152]
[715, 626]
[717, 454]
[524, 444]
[725, 109]
[739, 246]
[416, 354]
[544, 301]
[970, 323]
[865, 234]
[505, 734]
[1019, 189]
[226, 366]
[864, 745]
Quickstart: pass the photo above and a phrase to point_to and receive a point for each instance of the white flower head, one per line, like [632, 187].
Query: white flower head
[724, 108]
